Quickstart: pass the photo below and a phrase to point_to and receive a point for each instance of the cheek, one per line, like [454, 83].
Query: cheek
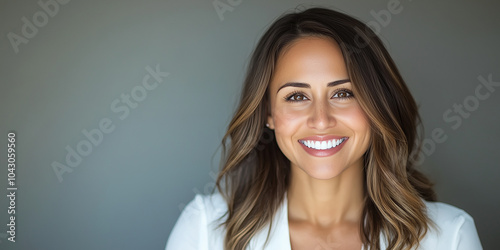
[356, 118]
[353, 116]
[357, 121]
[287, 119]
[287, 123]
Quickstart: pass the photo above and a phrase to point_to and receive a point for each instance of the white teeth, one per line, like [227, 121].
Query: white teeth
[322, 145]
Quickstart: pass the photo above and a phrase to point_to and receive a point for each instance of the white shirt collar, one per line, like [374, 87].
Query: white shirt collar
[279, 237]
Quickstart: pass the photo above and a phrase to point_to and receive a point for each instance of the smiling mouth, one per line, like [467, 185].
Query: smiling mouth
[323, 145]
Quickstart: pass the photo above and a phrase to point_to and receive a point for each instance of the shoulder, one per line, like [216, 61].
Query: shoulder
[198, 224]
[451, 228]
[208, 205]
[446, 215]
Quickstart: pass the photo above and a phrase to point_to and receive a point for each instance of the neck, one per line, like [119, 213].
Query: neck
[326, 202]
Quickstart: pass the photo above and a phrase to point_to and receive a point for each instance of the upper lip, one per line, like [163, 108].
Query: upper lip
[322, 138]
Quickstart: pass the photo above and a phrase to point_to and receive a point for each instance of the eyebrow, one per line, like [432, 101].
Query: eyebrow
[305, 85]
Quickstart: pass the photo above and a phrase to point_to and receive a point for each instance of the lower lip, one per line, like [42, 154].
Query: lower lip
[323, 152]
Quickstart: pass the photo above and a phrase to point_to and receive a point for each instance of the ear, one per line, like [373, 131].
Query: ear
[270, 122]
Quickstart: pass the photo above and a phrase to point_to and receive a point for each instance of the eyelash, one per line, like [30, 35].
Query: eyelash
[289, 97]
[349, 92]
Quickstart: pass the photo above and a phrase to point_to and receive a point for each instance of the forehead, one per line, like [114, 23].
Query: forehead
[310, 58]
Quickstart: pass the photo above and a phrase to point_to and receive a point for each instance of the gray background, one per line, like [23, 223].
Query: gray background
[129, 191]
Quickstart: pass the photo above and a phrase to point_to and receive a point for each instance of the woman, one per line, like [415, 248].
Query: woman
[318, 154]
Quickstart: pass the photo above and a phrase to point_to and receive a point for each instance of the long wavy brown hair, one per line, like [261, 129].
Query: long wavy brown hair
[255, 174]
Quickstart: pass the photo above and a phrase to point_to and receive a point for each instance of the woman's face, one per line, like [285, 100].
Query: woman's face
[318, 123]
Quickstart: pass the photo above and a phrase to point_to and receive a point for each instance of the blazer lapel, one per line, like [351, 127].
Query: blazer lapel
[279, 237]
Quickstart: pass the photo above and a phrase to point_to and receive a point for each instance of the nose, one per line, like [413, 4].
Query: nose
[321, 116]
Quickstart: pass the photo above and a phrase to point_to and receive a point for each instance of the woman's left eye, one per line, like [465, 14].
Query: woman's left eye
[343, 94]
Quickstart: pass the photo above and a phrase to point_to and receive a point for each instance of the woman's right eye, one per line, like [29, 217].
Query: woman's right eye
[296, 97]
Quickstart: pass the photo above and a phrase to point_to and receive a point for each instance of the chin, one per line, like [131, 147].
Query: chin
[323, 172]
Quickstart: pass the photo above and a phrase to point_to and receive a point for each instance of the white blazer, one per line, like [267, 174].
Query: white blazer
[196, 228]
